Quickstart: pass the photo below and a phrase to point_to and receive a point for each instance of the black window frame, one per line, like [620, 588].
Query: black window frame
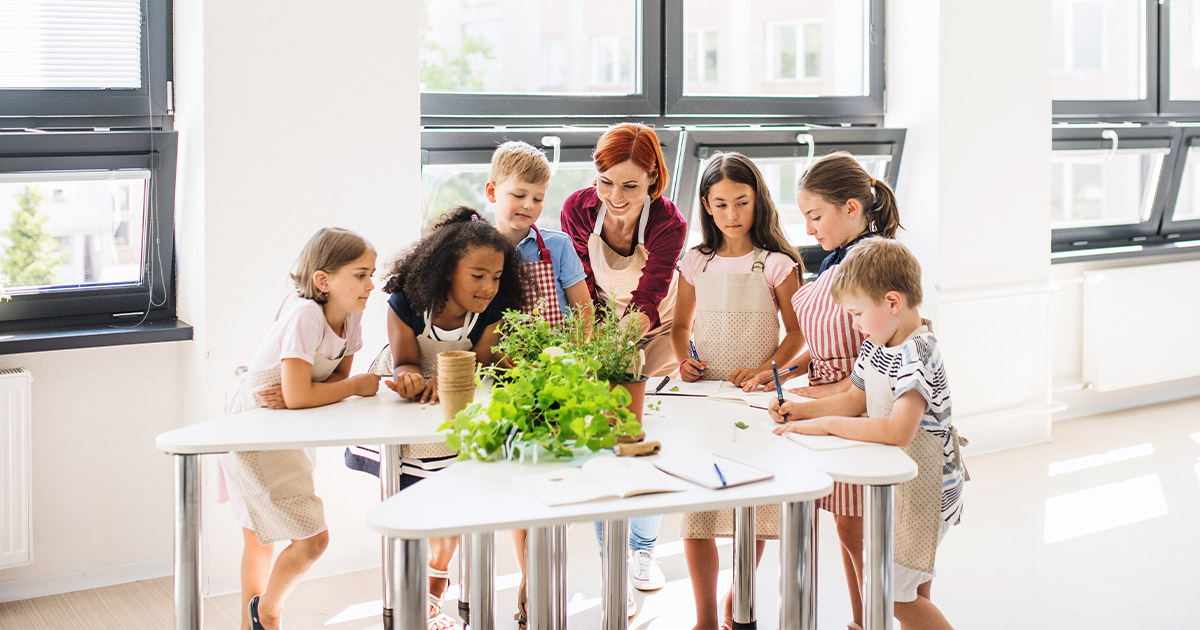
[1144, 233]
[1144, 109]
[1172, 230]
[781, 142]
[1173, 109]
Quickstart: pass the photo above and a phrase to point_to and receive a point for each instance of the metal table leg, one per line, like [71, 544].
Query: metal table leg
[743, 568]
[614, 571]
[797, 567]
[540, 569]
[558, 577]
[188, 604]
[409, 589]
[877, 578]
[483, 591]
[389, 484]
[464, 578]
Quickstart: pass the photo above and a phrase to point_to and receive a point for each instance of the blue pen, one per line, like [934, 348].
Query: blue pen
[692, 349]
[719, 475]
[778, 387]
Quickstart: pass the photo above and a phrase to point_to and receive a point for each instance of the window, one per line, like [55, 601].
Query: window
[1103, 57]
[86, 217]
[794, 51]
[701, 55]
[612, 62]
[782, 155]
[1181, 220]
[1181, 58]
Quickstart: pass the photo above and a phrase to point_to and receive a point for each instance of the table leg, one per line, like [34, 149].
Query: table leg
[412, 583]
[464, 578]
[558, 577]
[389, 484]
[614, 570]
[538, 568]
[743, 568]
[877, 579]
[797, 567]
[483, 572]
[189, 607]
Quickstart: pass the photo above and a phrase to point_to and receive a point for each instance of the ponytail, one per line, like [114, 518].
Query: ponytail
[838, 178]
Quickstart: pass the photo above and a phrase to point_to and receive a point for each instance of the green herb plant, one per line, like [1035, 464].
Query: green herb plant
[553, 405]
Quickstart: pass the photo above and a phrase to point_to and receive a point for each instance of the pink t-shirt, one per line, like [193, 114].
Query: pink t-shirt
[302, 331]
[775, 269]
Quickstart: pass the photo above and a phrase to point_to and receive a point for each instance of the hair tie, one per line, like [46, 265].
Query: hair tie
[872, 182]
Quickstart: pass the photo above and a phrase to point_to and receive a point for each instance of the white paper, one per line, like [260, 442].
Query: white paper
[677, 387]
[823, 442]
[700, 470]
[599, 478]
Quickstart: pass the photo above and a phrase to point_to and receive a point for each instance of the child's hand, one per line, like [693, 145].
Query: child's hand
[817, 391]
[783, 413]
[271, 397]
[691, 370]
[407, 384]
[815, 426]
[763, 381]
[430, 394]
[740, 375]
[365, 384]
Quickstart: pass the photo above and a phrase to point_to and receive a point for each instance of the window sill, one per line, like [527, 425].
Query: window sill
[1126, 251]
[18, 342]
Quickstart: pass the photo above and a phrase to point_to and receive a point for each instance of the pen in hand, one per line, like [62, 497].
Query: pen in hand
[778, 387]
[692, 350]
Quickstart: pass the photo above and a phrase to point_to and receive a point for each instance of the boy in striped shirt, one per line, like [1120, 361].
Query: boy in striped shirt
[900, 384]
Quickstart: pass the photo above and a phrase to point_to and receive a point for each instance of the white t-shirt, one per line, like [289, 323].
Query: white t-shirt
[302, 331]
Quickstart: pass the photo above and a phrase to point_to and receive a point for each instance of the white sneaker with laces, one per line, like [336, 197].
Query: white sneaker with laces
[644, 572]
[630, 603]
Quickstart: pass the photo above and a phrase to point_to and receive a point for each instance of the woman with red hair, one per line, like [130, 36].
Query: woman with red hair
[629, 237]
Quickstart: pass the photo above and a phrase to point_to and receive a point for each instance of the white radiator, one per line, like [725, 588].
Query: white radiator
[1139, 325]
[16, 468]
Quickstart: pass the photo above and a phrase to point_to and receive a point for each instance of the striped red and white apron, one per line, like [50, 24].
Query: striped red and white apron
[541, 289]
[833, 345]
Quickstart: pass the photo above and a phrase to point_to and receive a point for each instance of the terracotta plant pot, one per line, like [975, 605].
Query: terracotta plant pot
[637, 389]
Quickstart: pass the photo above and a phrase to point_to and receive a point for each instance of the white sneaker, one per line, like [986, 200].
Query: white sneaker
[644, 572]
[630, 603]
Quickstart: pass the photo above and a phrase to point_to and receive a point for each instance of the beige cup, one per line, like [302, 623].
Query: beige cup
[455, 400]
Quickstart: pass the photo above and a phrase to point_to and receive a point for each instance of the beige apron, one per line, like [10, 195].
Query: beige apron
[918, 501]
[736, 325]
[617, 276]
[277, 486]
[429, 345]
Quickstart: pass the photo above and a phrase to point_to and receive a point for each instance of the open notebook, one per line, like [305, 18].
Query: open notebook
[600, 478]
[823, 442]
[719, 390]
[702, 470]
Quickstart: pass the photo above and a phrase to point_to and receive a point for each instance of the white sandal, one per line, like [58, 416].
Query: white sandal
[439, 620]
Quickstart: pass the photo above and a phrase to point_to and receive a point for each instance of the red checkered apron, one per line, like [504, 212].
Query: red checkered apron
[541, 289]
[833, 344]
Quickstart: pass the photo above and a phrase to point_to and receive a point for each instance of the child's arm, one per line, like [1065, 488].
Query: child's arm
[578, 297]
[792, 341]
[681, 331]
[763, 381]
[852, 402]
[407, 379]
[300, 392]
[484, 349]
[897, 430]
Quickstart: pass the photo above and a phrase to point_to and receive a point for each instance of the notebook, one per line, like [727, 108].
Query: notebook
[600, 478]
[823, 442]
[667, 386]
[701, 471]
[756, 399]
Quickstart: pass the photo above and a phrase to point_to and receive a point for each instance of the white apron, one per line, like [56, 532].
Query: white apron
[918, 501]
[541, 288]
[277, 486]
[430, 346]
[736, 325]
[617, 276]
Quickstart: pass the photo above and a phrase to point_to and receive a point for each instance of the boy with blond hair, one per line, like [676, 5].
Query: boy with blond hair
[900, 383]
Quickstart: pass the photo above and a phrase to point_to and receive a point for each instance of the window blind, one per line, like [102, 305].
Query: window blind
[70, 44]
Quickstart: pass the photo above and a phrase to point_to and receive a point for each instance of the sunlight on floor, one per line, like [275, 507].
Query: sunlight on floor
[1100, 459]
[355, 612]
[1103, 508]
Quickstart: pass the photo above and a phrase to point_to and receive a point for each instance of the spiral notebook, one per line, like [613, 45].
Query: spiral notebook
[701, 471]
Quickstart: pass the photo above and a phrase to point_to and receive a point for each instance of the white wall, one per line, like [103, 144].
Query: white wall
[291, 117]
[975, 198]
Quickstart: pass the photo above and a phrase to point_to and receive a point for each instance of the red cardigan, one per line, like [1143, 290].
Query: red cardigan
[666, 231]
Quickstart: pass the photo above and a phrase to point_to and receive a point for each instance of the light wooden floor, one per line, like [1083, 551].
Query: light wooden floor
[1096, 529]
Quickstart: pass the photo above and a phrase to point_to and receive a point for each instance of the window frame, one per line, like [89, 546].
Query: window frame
[1125, 110]
[1173, 109]
[754, 143]
[451, 108]
[1172, 230]
[92, 108]
[116, 305]
[1146, 232]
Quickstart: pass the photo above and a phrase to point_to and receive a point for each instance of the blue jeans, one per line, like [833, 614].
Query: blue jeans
[643, 532]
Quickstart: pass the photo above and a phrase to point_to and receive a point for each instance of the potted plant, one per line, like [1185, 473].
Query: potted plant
[552, 405]
[620, 359]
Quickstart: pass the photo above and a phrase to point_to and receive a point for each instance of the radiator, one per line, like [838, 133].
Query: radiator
[16, 466]
[1139, 325]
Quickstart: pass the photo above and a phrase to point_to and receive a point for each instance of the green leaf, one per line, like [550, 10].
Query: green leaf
[741, 425]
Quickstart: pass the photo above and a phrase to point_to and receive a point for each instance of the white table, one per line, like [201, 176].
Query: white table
[384, 419]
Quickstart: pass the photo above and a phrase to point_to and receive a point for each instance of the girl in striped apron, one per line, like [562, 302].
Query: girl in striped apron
[731, 287]
[842, 204]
